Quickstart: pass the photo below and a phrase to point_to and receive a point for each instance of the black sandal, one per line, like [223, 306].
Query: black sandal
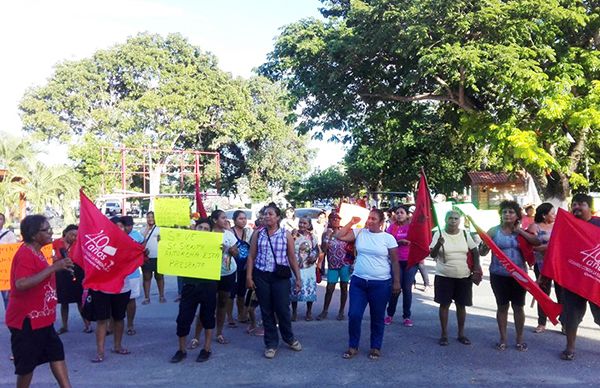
[567, 355]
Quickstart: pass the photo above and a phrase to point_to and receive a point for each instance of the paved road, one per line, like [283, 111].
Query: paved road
[410, 355]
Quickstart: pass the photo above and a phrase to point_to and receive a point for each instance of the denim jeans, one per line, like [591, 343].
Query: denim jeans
[375, 293]
[5, 299]
[273, 295]
[407, 278]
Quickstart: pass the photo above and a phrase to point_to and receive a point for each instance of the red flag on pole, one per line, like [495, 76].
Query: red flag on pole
[573, 256]
[419, 232]
[550, 308]
[106, 253]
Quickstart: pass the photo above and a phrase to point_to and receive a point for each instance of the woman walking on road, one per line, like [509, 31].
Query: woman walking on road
[271, 260]
[307, 253]
[452, 280]
[507, 290]
[372, 281]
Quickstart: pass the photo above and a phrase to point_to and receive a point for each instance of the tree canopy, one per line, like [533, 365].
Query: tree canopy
[518, 82]
[163, 92]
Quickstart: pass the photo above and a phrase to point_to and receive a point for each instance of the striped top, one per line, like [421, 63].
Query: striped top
[264, 256]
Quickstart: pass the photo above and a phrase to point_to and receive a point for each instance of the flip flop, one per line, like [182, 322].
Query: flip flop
[522, 347]
[567, 355]
[374, 354]
[121, 351]
[464, 340]
[232, 325]
[88, 330]
[99, 358]
[131, 332]
[322, 316]
[162, 299]
[500, 347]
[146, 301]
[340, 317]
[443, 341]
[222, 340]
[351, 352]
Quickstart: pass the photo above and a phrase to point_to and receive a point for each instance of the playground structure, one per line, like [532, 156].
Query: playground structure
[150, 165]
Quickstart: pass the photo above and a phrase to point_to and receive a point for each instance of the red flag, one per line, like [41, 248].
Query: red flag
[419, 231]
[550, 308]
[106, 254]
[573, 256]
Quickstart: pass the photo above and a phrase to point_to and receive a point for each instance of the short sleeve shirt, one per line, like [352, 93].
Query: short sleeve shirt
[453, 263]
[336, 250]
[372, 261]
[400, 232]
[37, 303]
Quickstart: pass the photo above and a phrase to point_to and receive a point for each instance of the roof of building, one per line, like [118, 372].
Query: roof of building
[492, 178]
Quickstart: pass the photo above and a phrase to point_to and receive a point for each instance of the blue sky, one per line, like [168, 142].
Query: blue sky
[37, 34]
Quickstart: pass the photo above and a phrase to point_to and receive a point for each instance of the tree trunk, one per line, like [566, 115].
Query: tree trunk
[557, 189]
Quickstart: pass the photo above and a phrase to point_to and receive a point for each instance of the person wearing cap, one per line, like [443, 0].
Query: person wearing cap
[134, 278]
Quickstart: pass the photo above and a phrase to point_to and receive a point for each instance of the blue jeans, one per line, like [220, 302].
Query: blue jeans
[375, 293]
[273, 295]
[407, 278]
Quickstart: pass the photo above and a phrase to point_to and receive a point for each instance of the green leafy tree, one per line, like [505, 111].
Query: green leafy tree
[163, 92]
[330, 183]
[522, 75]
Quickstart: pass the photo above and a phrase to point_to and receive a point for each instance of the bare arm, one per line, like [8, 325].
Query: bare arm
[291, 254]
[393, 252]
[251, 258]
[345, 233]
[28, 282]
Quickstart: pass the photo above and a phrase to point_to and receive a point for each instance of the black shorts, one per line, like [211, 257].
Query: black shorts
[240, 284]
[447, 290]
[106, 306]
[203, 293]
[507, 290]
[31, 348]
[574, 307]
[227, 283]
[150, 265]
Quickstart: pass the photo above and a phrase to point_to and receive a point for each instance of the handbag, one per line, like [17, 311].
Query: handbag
[281, 271]
[243, 250]
[476, 276]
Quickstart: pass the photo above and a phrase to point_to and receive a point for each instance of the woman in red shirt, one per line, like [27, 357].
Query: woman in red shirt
[32, 306]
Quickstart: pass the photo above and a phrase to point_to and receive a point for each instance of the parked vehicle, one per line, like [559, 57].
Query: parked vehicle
[310, 212]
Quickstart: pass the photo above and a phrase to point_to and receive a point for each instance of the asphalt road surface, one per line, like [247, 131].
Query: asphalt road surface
[410, 356]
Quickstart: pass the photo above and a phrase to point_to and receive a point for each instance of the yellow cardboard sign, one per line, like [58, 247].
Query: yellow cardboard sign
[190, 253]
[347, 211]
[7, 253]
[170, 212]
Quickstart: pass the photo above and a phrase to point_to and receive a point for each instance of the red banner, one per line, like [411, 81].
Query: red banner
[419, 232]
[106, 253]
[550, 308]
[573, 256]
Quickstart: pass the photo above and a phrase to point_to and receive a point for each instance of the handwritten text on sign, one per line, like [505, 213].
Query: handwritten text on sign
[190, 253]
[7, 252]
[171, 212]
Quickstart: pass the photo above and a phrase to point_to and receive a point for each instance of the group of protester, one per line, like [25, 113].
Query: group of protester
[277, 265]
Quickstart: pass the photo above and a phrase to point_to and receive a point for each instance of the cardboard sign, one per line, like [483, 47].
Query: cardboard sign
[347, 211]
[190, 253]
[7, 253]
[170, 212]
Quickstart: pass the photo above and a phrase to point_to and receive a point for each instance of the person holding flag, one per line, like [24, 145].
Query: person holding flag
[572, 261]
[453, 276]
[506, 289]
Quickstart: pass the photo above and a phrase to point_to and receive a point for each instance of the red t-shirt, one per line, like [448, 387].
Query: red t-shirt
[37, 303]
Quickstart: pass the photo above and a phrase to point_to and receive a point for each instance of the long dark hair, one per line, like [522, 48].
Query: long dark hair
[541, 211]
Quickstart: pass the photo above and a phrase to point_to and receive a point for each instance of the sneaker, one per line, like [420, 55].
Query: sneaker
[179, 355]
[296, 346]
[408, 322]
[388, 320]
[203, 356]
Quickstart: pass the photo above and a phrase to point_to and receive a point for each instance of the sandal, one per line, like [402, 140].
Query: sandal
[270, 353]
[500, 347]
[194, 343]
[443, 341]
[308, 318]
[567, 355]
[464, 340]
[222, 340]
[351, 352]
[162, 299]
[121, 351]
[539, 329]
[322, 316]
[340, 317]
[146, 301]
[88, 330]
[232, 325]
[522, 347]
[99, 358]
[131, 331]
[62, 330]
[374, 354]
